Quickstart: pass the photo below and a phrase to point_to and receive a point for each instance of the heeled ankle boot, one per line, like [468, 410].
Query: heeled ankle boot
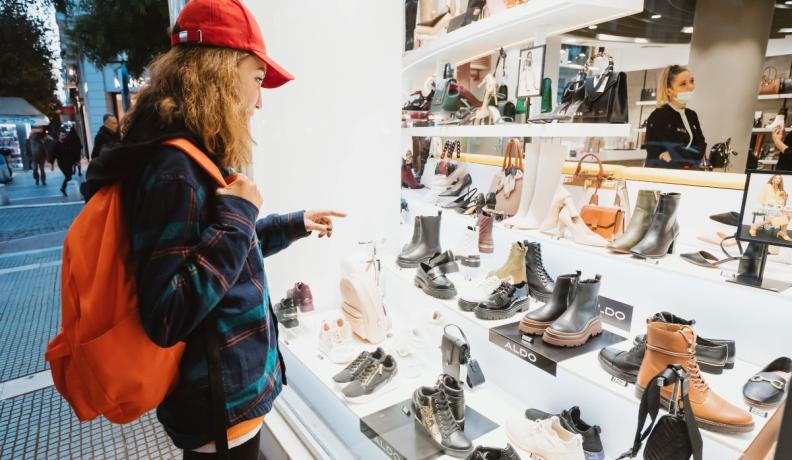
[663, 230]
[667, 344]
[514, 267]
[581, 320]
[535, 322]
[486, 243]
[410, 14]
[639, 223]
[408, 179]
[540, 284]
[427, 245]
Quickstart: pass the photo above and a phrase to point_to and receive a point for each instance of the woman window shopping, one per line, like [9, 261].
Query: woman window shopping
[673, 133]
[198, 249]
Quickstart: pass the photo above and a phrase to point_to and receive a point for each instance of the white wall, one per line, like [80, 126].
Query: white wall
[330, 138]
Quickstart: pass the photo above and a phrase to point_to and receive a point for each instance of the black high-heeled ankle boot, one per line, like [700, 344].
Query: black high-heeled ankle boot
[663, 230]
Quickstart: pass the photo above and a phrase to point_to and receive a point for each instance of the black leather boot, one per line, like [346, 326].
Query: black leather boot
[455, 394]
[535, 322]
[427, 246]
[663, 231]
[624, 364]
[540, 284]
[581, 320]
[416, 236]
[410, 15]
[713, 355]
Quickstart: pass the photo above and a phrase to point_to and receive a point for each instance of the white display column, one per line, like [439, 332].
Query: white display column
[330, 138]
[727, 53]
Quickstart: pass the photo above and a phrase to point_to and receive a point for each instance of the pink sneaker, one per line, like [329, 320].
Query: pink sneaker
[301, 296]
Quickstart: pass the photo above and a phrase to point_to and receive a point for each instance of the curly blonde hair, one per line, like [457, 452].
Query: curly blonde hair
[199, 86]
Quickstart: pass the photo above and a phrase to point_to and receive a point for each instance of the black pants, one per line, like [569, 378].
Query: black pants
[38, 172]
[246, 451]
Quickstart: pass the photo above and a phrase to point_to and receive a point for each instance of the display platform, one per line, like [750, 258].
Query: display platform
[533, 350]
[395, 431]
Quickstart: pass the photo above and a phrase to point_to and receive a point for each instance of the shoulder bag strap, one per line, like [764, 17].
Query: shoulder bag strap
[507, 157]
[690, 422]
[216, 391]
[199, 157]
[600, 175]
[650, 406]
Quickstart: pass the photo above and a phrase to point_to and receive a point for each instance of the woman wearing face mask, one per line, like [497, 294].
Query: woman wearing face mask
[673, 133]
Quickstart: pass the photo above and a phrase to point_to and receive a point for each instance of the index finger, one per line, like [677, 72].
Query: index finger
[330, 212]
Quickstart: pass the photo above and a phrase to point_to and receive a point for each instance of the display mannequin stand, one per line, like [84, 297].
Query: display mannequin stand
[756, 278]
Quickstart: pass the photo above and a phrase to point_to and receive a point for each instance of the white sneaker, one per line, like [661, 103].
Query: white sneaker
[545, 439]
[466, 250]
[472, 294]
[335, 341]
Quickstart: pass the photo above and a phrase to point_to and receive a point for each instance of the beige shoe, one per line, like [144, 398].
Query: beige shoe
[550, 222]
[545, 439]
[570, 219]
[514, 267]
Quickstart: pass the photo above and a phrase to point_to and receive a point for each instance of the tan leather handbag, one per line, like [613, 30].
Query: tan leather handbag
[507, 184]
[606, 221]
[770, 83]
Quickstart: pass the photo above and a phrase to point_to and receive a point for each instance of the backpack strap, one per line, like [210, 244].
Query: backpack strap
[189, 149]
[216, 389]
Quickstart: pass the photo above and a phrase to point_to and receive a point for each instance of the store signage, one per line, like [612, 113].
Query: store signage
[619, 381]
[758, 412]
[387, 448]
[615, 313]
[526, 354]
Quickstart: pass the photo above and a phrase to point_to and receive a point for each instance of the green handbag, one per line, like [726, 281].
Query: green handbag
[547, 95]
[447, 95]
[521, 106]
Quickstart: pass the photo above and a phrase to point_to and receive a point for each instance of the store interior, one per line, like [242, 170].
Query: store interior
[541, 269]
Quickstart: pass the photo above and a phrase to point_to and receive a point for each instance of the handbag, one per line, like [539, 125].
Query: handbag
[361, 304]
[503, 90]
[507, 111]
[599, 180]
[770, 83]
[675, 436]
[455, 351]
[547, 95]
[786, 83]
[507, 184]
[649, 94]
[605, 97]
[572, 97]
[521, 106]
[447, 95]
[606, 221]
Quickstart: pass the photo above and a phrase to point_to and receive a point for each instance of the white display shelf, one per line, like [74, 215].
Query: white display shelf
[643, 103]
[763, 97]
[524, 130]
[611, 155]
[767, 130]
[516, 25]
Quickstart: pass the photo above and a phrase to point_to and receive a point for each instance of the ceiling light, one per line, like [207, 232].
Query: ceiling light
[788, 2]
[592, 27]
[687, 30]
[582, 55]
[657, 16]
[614, 38]
[785, 30]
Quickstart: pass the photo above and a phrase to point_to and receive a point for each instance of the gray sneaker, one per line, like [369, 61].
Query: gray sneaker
[357, 366]
[375, 376]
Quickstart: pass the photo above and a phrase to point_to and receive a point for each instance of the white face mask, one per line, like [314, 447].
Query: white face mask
[684, 97]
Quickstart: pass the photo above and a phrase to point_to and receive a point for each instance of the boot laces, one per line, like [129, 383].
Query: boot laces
[443, 414]
[355, 365]
[543, 275]
[692, 365]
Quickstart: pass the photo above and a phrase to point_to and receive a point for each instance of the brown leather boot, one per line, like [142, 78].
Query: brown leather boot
[514, 267]
[676, 344]
[486, 244]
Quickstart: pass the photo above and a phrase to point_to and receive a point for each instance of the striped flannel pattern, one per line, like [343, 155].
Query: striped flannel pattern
[195, 253]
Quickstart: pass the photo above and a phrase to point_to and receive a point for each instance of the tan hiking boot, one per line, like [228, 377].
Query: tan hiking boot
[676, 344]
[514, 266]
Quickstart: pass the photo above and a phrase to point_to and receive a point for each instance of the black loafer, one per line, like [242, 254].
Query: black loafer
[766, 389]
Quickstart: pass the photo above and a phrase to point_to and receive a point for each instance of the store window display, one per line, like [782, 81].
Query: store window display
[674, 138]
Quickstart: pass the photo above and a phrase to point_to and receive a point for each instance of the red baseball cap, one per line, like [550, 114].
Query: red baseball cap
[227, 24]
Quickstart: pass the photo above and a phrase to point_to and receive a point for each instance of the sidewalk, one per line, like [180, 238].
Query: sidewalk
[35, 422]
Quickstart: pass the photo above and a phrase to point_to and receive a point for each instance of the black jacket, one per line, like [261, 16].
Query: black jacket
[785, 158]
[104, 138]
[665, 132]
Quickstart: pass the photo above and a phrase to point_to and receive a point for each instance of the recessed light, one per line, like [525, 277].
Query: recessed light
[788, 2]
[687, 30]
[582, 55]
[657, 16]
[592, 27]
[785, 30]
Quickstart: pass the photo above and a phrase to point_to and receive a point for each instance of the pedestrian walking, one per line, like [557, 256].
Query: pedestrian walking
[67, 152]
[107, 137]
[197, 246]
[37, 154]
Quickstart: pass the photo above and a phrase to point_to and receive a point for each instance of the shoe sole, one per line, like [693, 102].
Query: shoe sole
[466, 305]
[382, 389]
[488, 314]
[709, 368]
[408, 263]
[706, 424]
[575, 339]
[616, 372]
[531, 327]
[540, 296]
[486, 248]
[450, 452]
[759, 405]
[443, 294]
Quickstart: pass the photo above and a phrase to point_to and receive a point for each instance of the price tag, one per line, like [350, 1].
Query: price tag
[758, 412]
[619, 381]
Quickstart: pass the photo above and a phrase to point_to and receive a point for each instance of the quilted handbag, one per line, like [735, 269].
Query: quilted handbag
[770, 83]
[361, 303]
[675, 436]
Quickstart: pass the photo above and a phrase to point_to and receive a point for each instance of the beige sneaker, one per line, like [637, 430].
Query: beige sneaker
[545, 439]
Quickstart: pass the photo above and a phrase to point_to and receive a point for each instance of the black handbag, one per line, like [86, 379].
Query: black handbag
[447, 94]
[507, 110]
[456, 352]
[503, 90]
[675, 436]
[605, 98]
[786, 83]
[648, 94]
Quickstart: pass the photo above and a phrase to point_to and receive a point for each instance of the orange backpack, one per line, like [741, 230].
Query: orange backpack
[102, 360]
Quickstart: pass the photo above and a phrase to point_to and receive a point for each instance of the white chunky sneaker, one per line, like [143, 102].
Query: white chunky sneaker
[335, 341]
[472, 294]
[466, 250]
[545, 439]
